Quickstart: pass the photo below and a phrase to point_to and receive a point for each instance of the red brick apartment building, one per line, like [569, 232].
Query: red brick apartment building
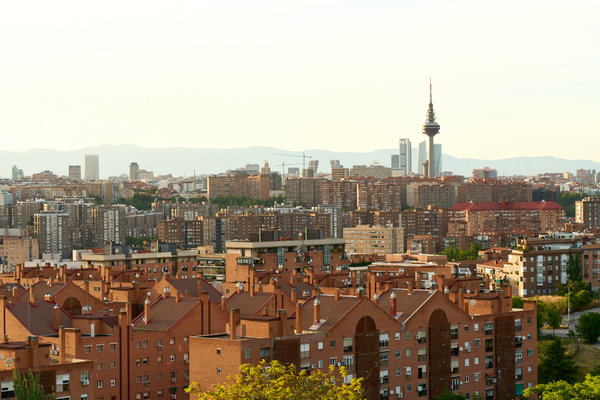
[526, 218]
[405, 343]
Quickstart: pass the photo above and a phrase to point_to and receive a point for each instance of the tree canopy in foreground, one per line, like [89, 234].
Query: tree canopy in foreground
[589, 389]
[275, 381]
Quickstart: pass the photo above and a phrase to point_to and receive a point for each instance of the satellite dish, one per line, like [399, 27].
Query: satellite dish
[523, 337]
[461, 348]
[472, 302]
[137, 275]
[468, 291]
[419, 388]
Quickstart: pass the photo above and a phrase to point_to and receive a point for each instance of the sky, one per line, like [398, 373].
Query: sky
[510, 78]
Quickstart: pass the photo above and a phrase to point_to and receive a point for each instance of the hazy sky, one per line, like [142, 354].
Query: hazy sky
[510, 78]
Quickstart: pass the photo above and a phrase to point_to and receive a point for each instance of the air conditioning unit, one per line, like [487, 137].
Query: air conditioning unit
[313, 366]
[400, 394]
[173, 380]
[173, 396]
[468, 349]
[147, 383]
[159, 347]
[187, 361]
[417, 337]
[85, 382]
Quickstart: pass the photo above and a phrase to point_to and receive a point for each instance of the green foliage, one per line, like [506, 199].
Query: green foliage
[133, 241]
[226, 201]
[276, 381]
[517, 302]
[589, 389]
[27, 386]
[98, 200]
[567, 200]
[553, 318]
[589, 327]
[554, 365]
[574, 267]
[448, 395]
[541, 313]
[141, 201]
[471, 254]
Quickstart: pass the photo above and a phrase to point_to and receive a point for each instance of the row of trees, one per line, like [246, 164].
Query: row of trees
[143, 201]
[470, 254]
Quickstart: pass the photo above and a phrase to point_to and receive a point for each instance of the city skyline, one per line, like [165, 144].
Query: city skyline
[214, 72]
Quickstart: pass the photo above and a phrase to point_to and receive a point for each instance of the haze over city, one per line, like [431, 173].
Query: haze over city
[338, 75]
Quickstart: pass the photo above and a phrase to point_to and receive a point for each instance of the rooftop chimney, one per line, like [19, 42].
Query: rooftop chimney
[393, 303]
[337, 294]
[147, 311]
[234, 313]
[294, 295]
[317, 310]
[282, 315]
[177, 296]
[32, 295]
[298, 317]
[410, 288]
[224, 302]
[56, 317]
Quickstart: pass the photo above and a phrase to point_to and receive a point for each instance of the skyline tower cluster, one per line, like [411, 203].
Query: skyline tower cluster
[429, 161]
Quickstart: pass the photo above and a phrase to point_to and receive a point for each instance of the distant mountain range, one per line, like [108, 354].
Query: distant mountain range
[114, 160]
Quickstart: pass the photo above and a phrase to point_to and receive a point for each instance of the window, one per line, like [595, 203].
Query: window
[113, 382]
[100, 366]
[408, 372]
[518, 325]
[454, 350]
[398, 371]
[407, 352]
[466, 378]
[248, 353]
[454, 381]
[348, 362]
[476, 375]
[422, 354]
[409, 387]
[304, 350]
[113, 364]
[99, 383]
[398, 353]
[476, 342]
[159, 359]
[466, 362]
[422, 336]
[383, 340]
[454, 332]
[475, 327]
[173, 376]
[518, 373]
[422, 372]
[265, 353]
[348, 345]
[332, 344]
[172, 340]
[159, 376]
[87, 349]
[138, 344]
[172, 358]
[407, 334]
[397, 335]
[99, 347]
[113, 347]
[454, 366]
[218, 351]
[476, 361]
[320, 346]
[384, 357]
[530, 352]
[185, 339]
[466, 327]
[333, 361]
[489, 361]
[320, 364]
[218, 370]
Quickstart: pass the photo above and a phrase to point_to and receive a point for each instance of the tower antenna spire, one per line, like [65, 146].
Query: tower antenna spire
[430, 92]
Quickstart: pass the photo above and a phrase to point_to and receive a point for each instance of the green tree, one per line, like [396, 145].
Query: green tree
[27, 386]
[517, 302]
[276, 381]
[553, 363]
[574, 267]
[589, 389]
[448, 395]
[541, 313]
[588, 327]
[553, 318]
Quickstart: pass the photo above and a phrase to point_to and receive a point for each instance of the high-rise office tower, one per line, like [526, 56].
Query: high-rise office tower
[134, 168]
[405, 161]
[395, 161]
[431, 128]
[437, 159]
[75, 172]
[422, 167]
[92, 167]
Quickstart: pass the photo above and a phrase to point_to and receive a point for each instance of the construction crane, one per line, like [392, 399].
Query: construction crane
[304, 157]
